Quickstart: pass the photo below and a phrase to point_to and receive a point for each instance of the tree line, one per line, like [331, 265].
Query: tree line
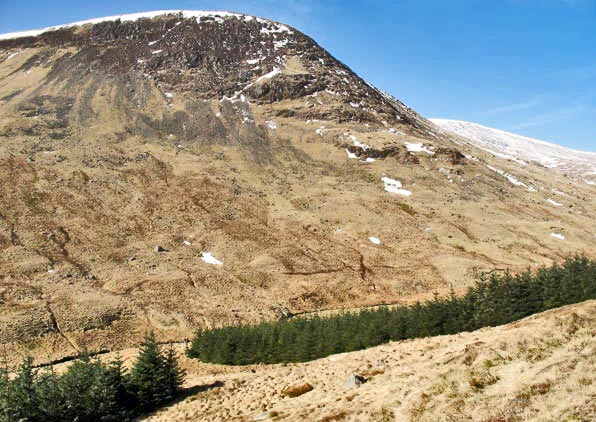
[495, 299]
[90, 390]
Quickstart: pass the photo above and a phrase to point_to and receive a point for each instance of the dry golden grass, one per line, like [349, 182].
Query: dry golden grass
[432, 379]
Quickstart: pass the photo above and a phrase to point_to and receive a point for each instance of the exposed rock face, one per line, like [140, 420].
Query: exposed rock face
[213, 57]
[242, 139]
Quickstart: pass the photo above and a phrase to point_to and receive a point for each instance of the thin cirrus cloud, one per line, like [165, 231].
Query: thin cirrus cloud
[509, 108]
[553, 116]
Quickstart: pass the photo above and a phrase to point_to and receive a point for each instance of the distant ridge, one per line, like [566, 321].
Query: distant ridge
[578, 164]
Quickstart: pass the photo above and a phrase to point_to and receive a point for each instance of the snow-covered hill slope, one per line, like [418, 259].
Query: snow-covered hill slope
[577, 164]
[216, 15]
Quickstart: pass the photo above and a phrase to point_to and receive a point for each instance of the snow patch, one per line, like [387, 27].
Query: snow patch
[351, 154]
[417, 148]
[471, 158]
[246, 116]
[394, 130]
[557, 236]
[210, 259]
[272, 125]
[280, 44]
[509, 177]
[276, 71]
[356, 142]
[394, 186]
[12, 55]
[375, 240]
[553, 202]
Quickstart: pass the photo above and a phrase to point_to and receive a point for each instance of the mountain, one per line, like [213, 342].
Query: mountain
[578, 164]
[177, 169]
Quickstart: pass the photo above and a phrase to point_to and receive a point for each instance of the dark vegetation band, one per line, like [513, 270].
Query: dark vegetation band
[495, 299]
[91, 390]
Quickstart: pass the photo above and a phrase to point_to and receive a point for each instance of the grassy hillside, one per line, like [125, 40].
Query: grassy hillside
[495, 299]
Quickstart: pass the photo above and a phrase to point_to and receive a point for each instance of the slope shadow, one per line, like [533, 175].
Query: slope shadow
[182, 395]
[191, 391]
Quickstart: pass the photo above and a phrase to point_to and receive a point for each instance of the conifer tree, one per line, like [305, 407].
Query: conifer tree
[52, 402]
[4, 393]
[23, 402]
[148, 379]
[173, 374]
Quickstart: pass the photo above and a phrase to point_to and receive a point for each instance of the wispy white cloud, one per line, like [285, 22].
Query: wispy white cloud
[509, 108]
[550, 117]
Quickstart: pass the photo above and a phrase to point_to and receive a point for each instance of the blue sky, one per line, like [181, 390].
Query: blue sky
[526, 66]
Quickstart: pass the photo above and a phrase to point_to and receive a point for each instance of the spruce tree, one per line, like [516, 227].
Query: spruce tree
[23, 404]
[148, 379]
[52, 402]
[173, 374]
[4, 393]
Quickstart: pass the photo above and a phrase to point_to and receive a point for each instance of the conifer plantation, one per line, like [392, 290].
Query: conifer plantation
[91, 391]
[495, 299]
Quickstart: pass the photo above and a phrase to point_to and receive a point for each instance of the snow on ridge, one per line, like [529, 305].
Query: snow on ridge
[518, 148]
[451, 125]
[198, 14]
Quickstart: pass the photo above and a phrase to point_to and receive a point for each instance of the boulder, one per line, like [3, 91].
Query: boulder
[354, 380]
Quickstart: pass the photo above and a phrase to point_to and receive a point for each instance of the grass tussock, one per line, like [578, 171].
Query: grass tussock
[297, 390]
